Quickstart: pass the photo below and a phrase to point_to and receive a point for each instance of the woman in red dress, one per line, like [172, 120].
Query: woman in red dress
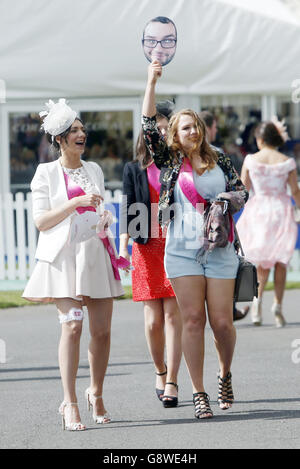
[149, 283]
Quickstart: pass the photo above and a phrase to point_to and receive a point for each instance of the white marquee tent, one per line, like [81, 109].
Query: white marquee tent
[90, 52]
[92, 48]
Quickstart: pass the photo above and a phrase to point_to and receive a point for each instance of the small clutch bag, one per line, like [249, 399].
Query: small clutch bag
[83, 227]
[88, 224]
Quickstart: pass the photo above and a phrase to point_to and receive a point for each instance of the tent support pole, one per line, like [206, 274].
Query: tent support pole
[268, 107]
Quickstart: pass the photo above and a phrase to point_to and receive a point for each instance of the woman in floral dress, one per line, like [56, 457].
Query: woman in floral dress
[267, 228]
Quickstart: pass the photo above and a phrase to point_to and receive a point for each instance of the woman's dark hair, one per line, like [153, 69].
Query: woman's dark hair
[165, 108]
[63, 135]
[142, 153]
[269, 134]
[208, 118]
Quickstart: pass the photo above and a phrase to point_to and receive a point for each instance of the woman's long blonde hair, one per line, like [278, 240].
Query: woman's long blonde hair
[208, 155]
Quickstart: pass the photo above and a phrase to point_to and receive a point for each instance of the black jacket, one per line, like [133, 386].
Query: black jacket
[135, 191]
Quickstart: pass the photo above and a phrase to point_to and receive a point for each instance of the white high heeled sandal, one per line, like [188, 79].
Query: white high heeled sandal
[279, 318]
[91, 399]
[72, 426]
[256, 315]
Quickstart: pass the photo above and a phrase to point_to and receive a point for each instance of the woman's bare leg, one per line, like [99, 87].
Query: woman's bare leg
[219, 307]
[100, 315]
[155, 336]
[190, 292]
[173, 332]
[279, 281]
[262, 275]
[68, 354]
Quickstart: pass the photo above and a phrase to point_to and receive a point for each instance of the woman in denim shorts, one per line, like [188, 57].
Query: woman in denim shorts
[193, 171]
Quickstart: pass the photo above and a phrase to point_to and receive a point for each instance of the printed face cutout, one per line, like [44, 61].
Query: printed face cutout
[160, 40]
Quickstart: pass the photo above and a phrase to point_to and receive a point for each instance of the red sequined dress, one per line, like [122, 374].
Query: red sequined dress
[149, 279]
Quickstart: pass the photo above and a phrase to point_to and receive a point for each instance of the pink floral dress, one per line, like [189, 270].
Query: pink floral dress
[266, 227]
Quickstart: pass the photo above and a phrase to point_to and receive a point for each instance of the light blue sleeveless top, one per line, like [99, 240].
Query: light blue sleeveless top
[186, 227]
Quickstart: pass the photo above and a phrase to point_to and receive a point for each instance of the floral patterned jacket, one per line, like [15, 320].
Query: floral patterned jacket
[170, 167]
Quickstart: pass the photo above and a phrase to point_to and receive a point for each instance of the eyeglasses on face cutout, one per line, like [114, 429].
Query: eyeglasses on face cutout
[165, 43]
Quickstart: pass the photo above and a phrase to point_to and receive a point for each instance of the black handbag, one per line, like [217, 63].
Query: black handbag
[246, 284]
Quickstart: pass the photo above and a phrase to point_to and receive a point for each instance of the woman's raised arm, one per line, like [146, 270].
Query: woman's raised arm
[154, 141]
[154, 72]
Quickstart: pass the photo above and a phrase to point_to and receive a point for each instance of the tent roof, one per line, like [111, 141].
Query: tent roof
[280, 10]
[93, 48]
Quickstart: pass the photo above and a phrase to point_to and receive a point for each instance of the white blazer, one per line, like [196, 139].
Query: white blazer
[48, 192]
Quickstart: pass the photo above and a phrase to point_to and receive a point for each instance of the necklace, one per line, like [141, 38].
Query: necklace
[61, 162]
[81, 178]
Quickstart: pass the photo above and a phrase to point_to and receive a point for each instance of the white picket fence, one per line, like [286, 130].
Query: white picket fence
[18, 235]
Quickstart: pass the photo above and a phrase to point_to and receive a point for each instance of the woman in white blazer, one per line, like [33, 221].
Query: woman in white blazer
[75, 267]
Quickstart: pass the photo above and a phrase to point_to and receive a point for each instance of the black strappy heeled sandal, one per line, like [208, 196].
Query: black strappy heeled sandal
[202, 407]
[160, 392]
[225, 395]
[170, 401]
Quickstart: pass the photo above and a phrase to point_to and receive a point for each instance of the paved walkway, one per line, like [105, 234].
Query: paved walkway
[265, 377]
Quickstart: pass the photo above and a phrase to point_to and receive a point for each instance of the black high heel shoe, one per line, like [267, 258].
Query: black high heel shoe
[160, 392]
[202, 407]
[225, 395]
[170, 401]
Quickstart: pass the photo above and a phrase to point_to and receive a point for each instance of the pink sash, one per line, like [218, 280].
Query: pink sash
[187, 186]
[116, 263]
[74, 190]
[153, 177]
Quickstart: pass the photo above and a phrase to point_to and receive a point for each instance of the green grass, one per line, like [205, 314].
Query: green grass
[289, 286]
[13, 299]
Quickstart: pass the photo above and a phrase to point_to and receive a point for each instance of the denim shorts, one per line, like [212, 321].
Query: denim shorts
[221, 263]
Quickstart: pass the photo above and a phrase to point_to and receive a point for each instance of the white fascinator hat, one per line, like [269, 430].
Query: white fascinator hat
[57, 118]
[281, 127]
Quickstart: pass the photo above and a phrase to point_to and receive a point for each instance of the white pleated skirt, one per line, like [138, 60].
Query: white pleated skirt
[80, 269]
